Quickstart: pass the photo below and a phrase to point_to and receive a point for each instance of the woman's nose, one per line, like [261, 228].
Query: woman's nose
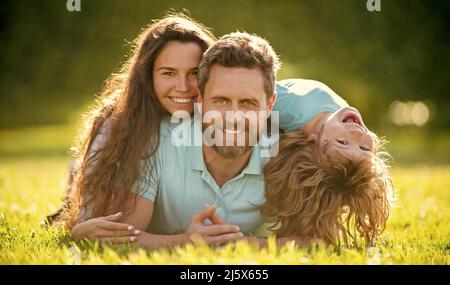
[182, 85]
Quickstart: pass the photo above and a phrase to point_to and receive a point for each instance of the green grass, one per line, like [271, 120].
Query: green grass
[32, 172]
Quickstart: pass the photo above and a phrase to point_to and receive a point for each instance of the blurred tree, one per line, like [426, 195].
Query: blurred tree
[53, 61]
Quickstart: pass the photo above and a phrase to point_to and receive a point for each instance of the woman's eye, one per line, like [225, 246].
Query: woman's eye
[364, 148]
[169, 73]
[194, 73]
[342, 142]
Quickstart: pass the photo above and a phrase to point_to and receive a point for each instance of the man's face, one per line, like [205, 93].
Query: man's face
[347, 135]
[234, 102]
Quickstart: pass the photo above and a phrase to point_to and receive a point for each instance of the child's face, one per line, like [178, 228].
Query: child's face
[347, 135]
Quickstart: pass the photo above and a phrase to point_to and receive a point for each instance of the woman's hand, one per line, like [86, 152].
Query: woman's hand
[105, 229]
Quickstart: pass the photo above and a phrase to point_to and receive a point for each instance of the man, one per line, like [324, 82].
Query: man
[237, 74]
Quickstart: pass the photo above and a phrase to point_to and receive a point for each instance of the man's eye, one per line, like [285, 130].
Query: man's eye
[194, 73]
[221, 101]
[248, 103]
[342, 142]
[364, 148]
[169, 73]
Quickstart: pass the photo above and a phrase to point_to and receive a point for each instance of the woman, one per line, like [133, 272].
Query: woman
[160, 77]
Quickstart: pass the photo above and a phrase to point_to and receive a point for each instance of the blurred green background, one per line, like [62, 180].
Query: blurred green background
[392, 65]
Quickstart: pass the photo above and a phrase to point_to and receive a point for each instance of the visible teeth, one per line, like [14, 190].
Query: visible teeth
[181, 100]
[351, 120]
[232, 132]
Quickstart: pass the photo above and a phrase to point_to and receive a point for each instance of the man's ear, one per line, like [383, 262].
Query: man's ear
[198, 99]
[198, 104]
[271, 103]
[312, 137]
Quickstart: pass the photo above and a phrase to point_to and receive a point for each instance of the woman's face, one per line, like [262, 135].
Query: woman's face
[175, 76]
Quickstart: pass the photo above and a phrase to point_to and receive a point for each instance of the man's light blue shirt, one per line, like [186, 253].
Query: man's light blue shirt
[180, 185]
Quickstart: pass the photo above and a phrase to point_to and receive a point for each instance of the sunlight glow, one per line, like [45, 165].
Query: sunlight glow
[409, 113]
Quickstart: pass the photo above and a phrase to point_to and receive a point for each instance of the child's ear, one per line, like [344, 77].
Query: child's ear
[312, 138]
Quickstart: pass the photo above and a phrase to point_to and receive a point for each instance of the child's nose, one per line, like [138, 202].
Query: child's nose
[356, 132]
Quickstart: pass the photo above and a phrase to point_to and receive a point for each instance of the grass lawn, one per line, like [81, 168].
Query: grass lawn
[32, 172]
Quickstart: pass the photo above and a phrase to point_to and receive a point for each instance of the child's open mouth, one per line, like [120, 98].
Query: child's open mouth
[352, 119]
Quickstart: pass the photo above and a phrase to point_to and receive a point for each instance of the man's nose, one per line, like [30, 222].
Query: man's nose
[234, 115]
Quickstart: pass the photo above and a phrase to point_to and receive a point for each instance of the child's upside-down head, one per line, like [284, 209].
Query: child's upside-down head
[329, 182]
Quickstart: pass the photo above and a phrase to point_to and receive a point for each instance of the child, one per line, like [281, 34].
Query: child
[329, 180]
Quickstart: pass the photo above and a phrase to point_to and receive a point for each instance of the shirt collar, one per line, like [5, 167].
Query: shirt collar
[254, 165]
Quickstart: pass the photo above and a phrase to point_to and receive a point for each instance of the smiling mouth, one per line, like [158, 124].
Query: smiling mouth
[352, 119]
[182, 100]
[233, 131]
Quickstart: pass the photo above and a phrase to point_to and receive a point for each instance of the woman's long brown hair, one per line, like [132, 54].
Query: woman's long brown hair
[312, 195]
[103, 180]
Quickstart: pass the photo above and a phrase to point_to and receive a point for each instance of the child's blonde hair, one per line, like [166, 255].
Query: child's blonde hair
[313, 195]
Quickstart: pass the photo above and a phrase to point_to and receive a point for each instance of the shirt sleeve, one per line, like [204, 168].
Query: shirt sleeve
[148, 184]
[300, 100]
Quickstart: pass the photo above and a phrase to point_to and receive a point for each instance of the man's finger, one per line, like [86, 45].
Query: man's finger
[205, 213]
[216, 219]
[215, 230]
[226, 238]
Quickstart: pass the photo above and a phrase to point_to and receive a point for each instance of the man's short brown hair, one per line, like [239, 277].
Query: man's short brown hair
[241, 50]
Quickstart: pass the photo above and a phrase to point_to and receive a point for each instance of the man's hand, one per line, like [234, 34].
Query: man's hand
[218, 233]
[214, 218]
[105, 229]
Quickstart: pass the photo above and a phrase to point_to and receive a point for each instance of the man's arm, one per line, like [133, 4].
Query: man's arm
[212, 234]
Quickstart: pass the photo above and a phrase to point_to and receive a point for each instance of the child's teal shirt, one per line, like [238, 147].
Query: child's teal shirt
[300, 100]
